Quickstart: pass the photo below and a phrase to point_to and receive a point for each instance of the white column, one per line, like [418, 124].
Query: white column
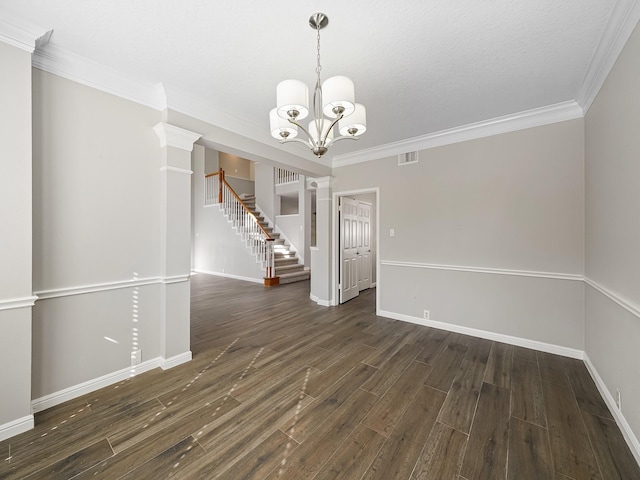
[175, 242]
[17, 43]
[321, 269]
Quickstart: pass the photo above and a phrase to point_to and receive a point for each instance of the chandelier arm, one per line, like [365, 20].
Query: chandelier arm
[299, 140]
[338, 118]
[301, 128]
[344, 137]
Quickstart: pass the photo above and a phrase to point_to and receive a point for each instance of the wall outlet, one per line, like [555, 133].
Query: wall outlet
[136, 357]
[426, 315]
[618, 399]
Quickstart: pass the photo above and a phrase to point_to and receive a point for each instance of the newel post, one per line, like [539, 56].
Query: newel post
[220, 182]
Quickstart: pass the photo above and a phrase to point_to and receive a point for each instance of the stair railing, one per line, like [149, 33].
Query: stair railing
[243, 220]
[284, 176]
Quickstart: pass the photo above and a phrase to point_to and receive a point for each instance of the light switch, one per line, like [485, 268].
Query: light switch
[392, 232]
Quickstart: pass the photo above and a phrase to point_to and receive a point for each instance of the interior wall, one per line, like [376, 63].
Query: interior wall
[265, 191]
[288, 205]
[96, 230]
[16, 293]
[613, 233]
[509, 206]
[235, 166]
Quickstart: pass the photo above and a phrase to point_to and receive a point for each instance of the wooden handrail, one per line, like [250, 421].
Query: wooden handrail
[246, 209]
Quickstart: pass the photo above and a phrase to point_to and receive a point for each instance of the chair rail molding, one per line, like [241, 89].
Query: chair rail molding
[493, 271]
[22, 302]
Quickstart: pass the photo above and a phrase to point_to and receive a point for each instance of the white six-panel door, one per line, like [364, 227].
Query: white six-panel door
[348, 249]
[355, 248]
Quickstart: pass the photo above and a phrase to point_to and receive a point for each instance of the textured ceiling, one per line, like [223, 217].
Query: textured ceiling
[418, 66]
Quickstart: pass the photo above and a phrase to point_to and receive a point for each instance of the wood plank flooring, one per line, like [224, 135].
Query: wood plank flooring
[280, 388]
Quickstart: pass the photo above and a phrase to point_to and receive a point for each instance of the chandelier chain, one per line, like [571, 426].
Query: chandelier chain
[318, 67]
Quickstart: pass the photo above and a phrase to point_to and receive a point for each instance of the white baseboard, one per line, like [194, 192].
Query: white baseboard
[176, 360]
[16, 427]
[322, 303]
[625, 428]
[56, 398]
[76, 391]
[229, 275]
[498, 337]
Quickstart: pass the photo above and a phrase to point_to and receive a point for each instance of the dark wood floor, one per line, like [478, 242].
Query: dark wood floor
[281, 388]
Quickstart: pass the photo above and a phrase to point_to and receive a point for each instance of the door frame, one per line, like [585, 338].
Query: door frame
[335, 243]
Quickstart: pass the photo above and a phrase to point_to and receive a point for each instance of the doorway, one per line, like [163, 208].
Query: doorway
[356, 243]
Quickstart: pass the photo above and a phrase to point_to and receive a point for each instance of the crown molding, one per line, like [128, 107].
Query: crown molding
[79, 69]
[23, 35]
[536, 117]
[622, 22]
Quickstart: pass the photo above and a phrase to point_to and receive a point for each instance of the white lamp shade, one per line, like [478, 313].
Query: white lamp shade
[357, 120]
[292, 95]
[338, 92]
[279, 125]
[324, 124]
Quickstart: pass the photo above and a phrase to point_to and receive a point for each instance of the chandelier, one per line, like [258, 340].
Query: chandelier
[333, 103]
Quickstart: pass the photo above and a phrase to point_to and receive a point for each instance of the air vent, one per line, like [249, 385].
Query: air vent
[407, 158]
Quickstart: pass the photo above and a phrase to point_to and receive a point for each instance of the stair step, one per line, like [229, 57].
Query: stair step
[295, 267]
[281, 261]
[294, 277]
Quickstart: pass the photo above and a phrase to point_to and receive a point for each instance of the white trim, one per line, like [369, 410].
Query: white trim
[16, 427]
[498, 337]
[493, 271]
[176, 360]
[622, 22]
[560, 112]
[322, 303]
[20, 34]
[176, 169]
[229, 275]
[172, 136]
[12, 303]
[615, 297]
[56, 398]
[175, 279]
[78, 69]
[99, 287]
[625, 428]
[321, 182]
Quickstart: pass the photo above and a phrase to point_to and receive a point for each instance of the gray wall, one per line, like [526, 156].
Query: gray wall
[96, 223]
[265, 191]
[613, 232]
[510, 206]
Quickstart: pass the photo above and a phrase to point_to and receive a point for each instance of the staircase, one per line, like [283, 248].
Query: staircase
[286, 260]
